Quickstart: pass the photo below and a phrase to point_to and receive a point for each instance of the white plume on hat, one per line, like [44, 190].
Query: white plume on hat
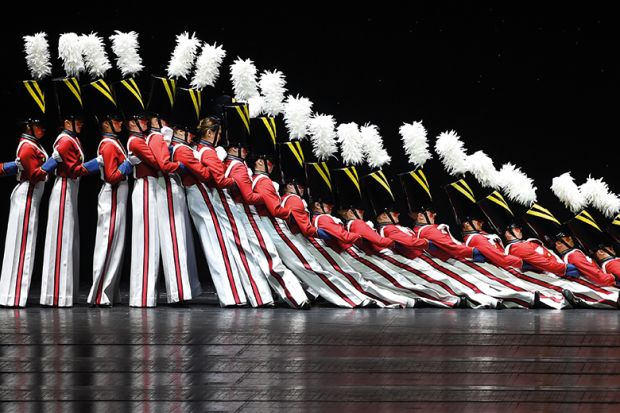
[243, 77]
[256, 106]
[451, 153]
[567, 191]
[37, 52]
[376, 155]
[322, 130]
[70, 52]
[183, 56]
[125, 47]
[415, 143]
[273, 88]
[297, 112]
[208, 65]
[351, 143]
[481, 166]
[517, 186]
[597, 193]
[95, 57]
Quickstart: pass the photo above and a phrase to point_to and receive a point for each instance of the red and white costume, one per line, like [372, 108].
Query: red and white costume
[61, 258]
[611, 266]
[145, 234]
[111, 222]
[21, 232]
[588, 268]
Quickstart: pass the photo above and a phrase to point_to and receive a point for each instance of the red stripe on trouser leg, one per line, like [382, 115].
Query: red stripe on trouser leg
[348, 276]
[263, 247]
[307, 266]
[109, 247]
[61, 220]
[450, 274]
[24, 243]
[244, 261]
[146, 250]
[173, 234]
[220, 240]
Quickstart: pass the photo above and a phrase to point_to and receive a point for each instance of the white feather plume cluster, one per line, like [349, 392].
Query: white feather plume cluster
[481, 166]
[37, 52]
[415, 143]
[183, 56]
[517, 186]
[351, 143]
[297, 112]
[243, 77]
[451, 152]
[376, 155]
[95, 57]
[125, 47]
[567, 191]
[70, 52]
[597, 193]
[256, 106]
[208, 65]
[273, 87]
[322, 130]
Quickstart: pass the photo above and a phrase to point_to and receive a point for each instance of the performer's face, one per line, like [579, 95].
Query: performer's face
[38, 130]
[478, 224]
[395, 215]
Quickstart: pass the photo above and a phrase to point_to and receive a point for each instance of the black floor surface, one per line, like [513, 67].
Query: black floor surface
[204, 358]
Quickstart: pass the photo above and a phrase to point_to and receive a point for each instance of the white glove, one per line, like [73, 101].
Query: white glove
[56, 156]
[100, 160]
[18, 162]
[167, 132]
[134, 160]
[221, 153]
[276, 186]
[370, 224]
[250, 173]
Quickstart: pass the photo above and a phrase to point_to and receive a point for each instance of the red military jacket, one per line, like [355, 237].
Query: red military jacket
[533, 252]
[31, 156]
[406, 242]
[270, 199]
[137, 146]
[588, 268]
[242, 193]
[299, 220]
[208, 156]
[341, 239]
[370, 242]
[161, 151]
[113, 155]
[70, 150]
[196, 171]
[447, 245]
[612, 266]
[490, 245]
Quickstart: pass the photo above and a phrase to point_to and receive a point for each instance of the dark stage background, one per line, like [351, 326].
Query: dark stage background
[539, 92]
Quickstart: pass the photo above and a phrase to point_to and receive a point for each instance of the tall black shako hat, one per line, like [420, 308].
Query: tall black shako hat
[100, 101]
[186, 111]
[291, 160]
[319, 182]
[236, 125]
[129, 98]
[417, 190]
[161, 97]
[463, 201]
[498, 212]
[32, 105]
[588, 232]
[379, 193]
[69, 100]
[263, 137]
[347, 187]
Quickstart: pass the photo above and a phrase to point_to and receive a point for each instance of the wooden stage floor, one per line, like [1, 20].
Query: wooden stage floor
[204, 358]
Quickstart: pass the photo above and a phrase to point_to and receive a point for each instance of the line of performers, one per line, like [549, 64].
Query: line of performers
[210, 165]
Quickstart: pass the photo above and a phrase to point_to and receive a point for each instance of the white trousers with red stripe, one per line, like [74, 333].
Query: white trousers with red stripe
[425, 271]
[175, 238]
[374, 269]
[254, 281]
[109, 243]
[485, 277]
[21, 240]
[589, 295]
[332, 286]
[333, 261]
[144, 244]
[213, 236]
[61, 257]
[281, 279]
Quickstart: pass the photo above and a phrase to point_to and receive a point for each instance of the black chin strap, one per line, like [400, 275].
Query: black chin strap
[355, 213]
[428, 220]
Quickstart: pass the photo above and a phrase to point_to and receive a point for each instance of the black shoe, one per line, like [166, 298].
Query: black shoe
[570, 297]
[536, 302]
[500, 304]
[305, 305]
